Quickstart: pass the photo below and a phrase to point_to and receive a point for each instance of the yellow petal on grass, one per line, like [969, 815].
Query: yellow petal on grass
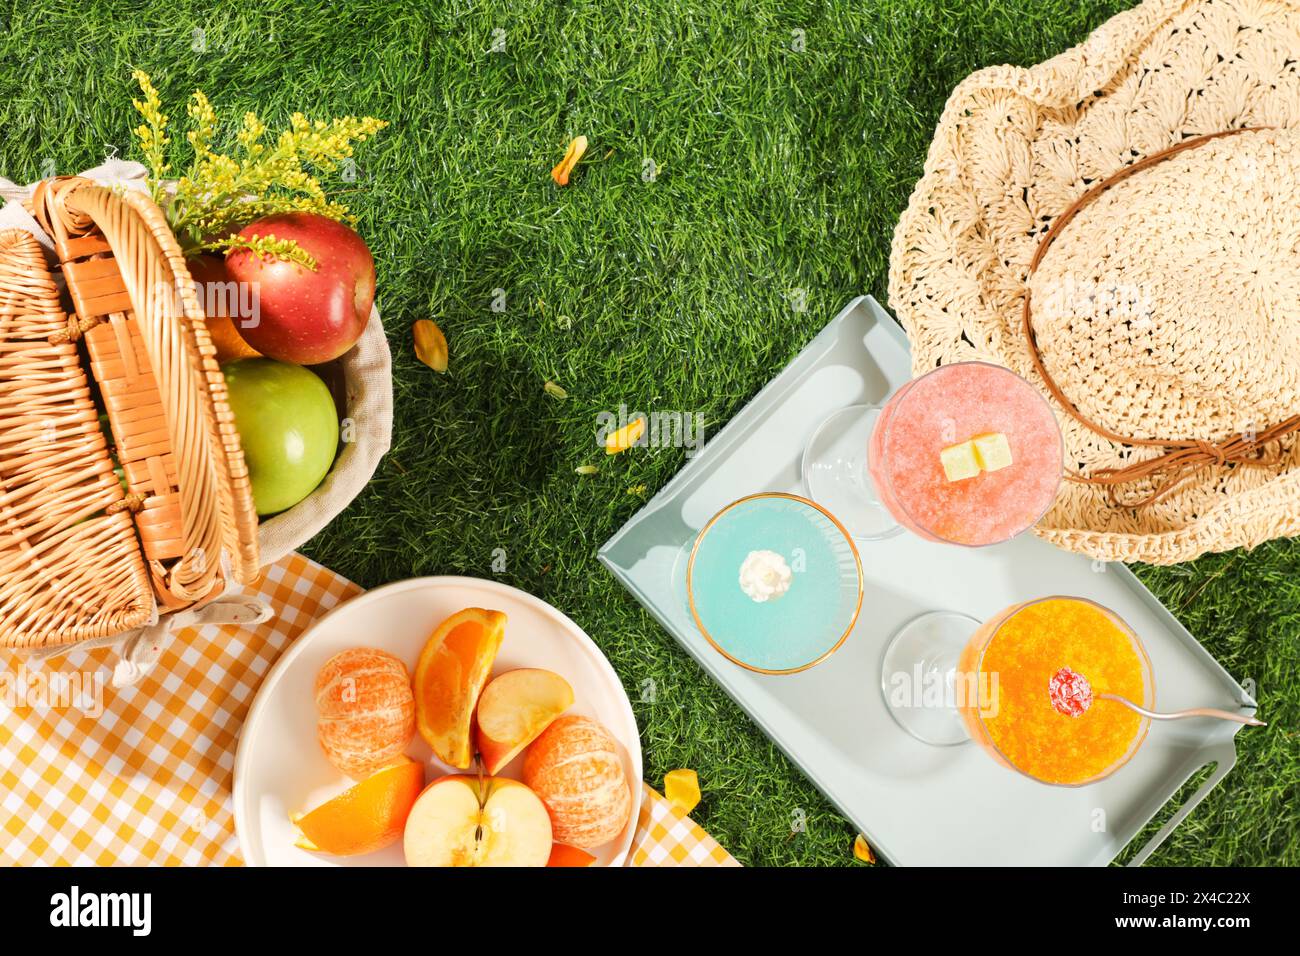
[862, 849]
[625, 437]
[430, 344]
[571, 156]
[682, 788]
[586, 470]
[554, 390]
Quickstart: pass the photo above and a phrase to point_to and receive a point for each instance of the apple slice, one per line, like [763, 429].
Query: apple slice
[516, 707]
[458, 821]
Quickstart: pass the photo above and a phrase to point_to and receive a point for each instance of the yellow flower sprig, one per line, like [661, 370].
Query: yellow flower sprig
[268, 247]
[221, 193]
[152, 133]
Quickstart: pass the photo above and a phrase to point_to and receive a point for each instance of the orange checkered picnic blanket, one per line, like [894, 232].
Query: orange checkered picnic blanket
[142, 775]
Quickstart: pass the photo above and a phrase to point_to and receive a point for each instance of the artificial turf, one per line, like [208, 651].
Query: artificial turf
[785, 137]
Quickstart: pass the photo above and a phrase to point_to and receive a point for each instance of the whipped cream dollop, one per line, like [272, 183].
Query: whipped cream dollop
[764, 576]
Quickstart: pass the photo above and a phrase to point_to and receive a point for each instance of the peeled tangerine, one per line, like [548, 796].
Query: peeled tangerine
[365, 710]
[449, 676]
[367, 817]
[575, 767]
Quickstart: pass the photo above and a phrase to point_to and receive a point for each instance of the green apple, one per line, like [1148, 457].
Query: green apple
[287, 426]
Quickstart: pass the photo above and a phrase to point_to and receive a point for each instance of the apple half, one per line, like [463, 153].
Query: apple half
[514, 709]
[459, 820]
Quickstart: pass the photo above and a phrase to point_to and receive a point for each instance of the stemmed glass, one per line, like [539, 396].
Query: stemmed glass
[1031, 723]
[879, 470]
[804, 614]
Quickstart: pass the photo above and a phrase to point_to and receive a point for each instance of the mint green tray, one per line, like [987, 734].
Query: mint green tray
[921, 805]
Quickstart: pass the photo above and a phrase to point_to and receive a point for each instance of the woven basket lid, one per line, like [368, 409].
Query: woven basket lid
[1166, 298]
[216, 509]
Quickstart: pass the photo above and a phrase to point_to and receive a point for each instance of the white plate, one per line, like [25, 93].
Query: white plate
[280, 768]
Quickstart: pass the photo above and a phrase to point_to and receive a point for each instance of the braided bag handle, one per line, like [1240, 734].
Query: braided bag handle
[1181, 460]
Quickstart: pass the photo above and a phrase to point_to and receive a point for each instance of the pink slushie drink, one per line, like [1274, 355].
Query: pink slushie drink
[947, 407]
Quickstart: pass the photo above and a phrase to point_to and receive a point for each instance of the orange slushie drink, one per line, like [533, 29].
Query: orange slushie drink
[1022, 667]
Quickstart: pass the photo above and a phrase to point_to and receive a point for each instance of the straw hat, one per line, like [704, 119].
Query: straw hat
[1119, 225]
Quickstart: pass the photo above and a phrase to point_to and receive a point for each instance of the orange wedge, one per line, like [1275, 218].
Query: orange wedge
[564, 855]
[449, 676]
[367, 816]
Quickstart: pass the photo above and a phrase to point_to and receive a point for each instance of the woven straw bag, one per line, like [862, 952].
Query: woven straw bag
[1138, 191]
[83, 558]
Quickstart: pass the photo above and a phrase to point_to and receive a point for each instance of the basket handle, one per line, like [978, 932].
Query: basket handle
[215, 494]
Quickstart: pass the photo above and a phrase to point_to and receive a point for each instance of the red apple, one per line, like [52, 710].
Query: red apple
[302, 316]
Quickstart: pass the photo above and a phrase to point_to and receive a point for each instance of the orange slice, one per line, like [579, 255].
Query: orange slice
[449, 676]
[367, 816]
[564, 855]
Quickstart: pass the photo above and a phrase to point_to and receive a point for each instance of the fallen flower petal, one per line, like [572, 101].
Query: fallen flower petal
[571, 156]
[625, 437]
[554, 390]
[682, 788]
[862, 850]
[430, 344]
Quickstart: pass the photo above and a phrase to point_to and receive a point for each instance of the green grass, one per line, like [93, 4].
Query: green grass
[778, 170]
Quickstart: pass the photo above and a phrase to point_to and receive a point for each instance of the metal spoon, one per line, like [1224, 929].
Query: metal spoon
[1180, 714]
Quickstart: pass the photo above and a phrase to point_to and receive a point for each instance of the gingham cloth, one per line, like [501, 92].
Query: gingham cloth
[665, 836]
[148, 779]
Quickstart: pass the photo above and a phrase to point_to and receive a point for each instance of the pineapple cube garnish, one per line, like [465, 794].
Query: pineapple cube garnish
[959, 461]
[992, 451]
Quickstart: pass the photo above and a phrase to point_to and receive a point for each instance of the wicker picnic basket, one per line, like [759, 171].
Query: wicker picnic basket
[80, 556]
